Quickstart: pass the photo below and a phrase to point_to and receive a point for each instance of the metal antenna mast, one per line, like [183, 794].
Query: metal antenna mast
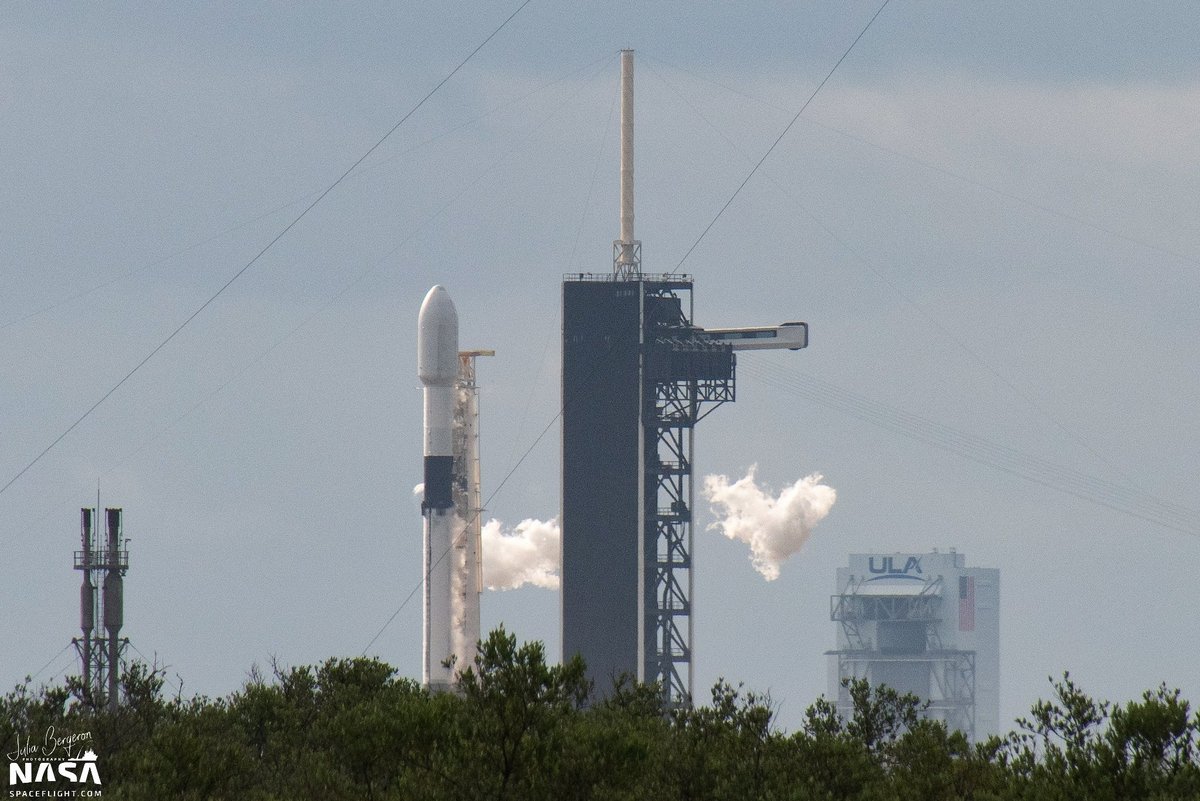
[101, 609]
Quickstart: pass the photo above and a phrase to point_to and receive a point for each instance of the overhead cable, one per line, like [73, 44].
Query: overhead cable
[779, 138]
[261, 253]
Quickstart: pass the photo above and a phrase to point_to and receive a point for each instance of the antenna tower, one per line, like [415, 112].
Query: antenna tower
[101, 607]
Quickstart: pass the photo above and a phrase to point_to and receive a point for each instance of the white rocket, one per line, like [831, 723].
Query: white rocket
[451, 506]
[437, 367]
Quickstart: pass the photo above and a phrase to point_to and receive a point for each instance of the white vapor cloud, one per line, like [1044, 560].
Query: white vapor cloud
[775, 527]
[528, 554]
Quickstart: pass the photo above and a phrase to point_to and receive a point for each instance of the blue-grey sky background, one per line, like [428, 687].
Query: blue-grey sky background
[987, 216]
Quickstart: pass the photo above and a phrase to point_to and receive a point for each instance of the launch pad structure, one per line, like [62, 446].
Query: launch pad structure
[466, 549]
[921, 623]
[638, 375]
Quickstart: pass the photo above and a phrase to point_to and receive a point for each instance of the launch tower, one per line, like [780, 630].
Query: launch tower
[637, 376]
[467, 551]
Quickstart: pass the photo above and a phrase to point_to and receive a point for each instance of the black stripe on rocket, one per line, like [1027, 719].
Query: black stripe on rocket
[438, 483]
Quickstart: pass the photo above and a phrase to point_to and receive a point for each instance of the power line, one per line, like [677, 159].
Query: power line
[161, 260]
[779, 138]
[537, 440]
[467, 528]
[1132, 502]
[949, 173]
[597, 64]
[1187, 516]
[370, 269]
[49, 661]
[601, 362]
[495, 165]
[587, 203]
[299, 200]
[61, 672]
[1136, 504]
[262, 252]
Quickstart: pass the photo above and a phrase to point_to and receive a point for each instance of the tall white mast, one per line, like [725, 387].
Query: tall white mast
[627, 251]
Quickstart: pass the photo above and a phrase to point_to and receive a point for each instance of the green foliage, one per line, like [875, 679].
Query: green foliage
[1074, 747]
[520, 728]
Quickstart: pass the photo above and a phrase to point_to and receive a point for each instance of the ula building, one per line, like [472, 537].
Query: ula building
[921, 623]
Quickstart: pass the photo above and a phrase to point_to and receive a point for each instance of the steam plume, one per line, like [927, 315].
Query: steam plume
[529, 554]
[773, 527]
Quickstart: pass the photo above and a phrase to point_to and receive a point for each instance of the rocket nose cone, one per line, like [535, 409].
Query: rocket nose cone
[438, 310]
[437, 295]
[437, 338]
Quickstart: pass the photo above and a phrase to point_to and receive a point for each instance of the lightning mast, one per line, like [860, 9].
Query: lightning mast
[627, 251]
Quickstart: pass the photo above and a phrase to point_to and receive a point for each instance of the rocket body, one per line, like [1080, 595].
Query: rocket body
[437, 367]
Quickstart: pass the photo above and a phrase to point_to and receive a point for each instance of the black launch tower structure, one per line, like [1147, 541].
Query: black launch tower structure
[637, 377]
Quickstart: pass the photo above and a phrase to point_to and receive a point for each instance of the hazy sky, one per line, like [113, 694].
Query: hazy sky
[987, 217]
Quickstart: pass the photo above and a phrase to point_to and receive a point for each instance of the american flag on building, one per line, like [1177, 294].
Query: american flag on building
[966, 603]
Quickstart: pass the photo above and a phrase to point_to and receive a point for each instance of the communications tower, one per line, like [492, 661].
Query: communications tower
[101, 607]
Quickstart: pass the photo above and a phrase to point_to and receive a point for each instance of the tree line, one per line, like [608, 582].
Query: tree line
[522, 728]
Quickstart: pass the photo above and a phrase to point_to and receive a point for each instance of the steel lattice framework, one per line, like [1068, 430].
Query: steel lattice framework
[686, 376]
[951, 671]
[101, 607]
[637, 377]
